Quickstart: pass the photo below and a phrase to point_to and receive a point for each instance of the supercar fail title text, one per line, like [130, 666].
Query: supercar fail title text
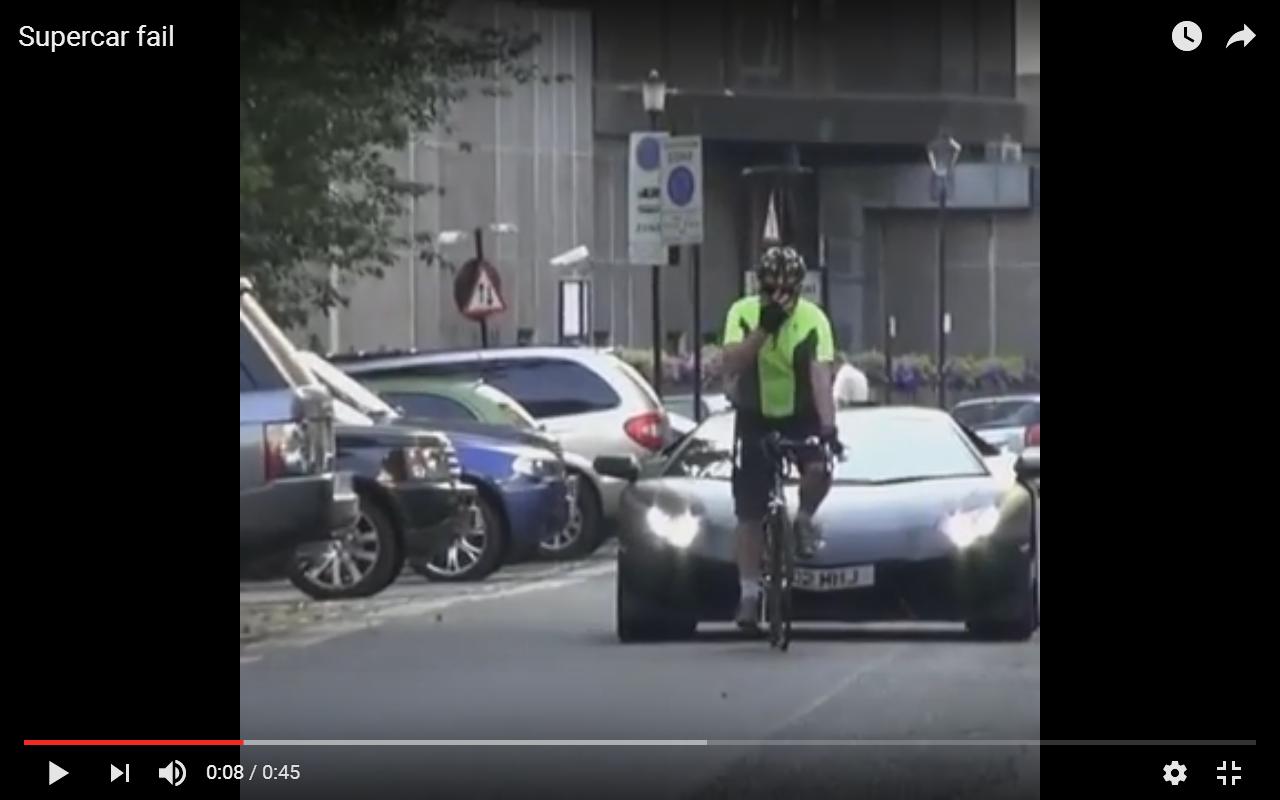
[143, 36]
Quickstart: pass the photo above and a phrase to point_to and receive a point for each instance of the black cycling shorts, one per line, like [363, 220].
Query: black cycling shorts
[752, 471]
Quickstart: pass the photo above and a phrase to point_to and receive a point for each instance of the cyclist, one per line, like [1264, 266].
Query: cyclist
[778, 353]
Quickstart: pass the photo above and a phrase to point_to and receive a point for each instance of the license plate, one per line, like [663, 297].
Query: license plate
[834, 580]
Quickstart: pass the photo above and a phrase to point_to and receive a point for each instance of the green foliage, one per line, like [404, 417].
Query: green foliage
[326, 89]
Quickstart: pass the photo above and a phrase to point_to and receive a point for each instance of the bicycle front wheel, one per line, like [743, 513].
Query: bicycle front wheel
[782, 568]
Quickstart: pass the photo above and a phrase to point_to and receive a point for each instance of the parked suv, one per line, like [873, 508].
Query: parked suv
[290, 496]
[590, 400]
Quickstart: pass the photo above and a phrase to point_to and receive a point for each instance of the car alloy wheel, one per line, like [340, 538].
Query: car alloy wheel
[357, 562]
[349, 557]
[564, 538]
[466, 550]
[581, 534]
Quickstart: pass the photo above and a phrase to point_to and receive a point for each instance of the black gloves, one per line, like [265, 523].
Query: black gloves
[831, 438]
[772, 316]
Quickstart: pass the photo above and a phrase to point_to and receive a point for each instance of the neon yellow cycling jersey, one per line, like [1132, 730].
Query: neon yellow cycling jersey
[777, 386]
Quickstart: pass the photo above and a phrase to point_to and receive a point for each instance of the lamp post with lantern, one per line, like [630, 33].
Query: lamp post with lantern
[654, 94]
[943, 152]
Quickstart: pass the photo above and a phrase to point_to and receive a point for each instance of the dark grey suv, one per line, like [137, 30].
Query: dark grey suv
[290, 497]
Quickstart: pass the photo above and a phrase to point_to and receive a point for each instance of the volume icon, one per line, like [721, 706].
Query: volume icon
[175, 773]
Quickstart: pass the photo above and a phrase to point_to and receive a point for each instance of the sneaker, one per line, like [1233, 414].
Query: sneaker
[748, 613]
[808, 537]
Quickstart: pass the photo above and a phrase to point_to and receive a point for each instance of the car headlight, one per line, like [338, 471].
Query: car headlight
[428, 464]
[536, 467]
[678, 530]
[288, 451]
[415, 464]
[964, 528]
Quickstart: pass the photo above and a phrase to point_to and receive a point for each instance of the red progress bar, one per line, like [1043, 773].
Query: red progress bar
[135, 742]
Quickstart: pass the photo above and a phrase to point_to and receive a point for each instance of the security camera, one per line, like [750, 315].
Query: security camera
[574, 256]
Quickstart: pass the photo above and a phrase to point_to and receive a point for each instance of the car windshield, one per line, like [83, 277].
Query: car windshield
[514, 412]
[997, 413]
[880, 448]
[345, 388]
[344, 414]
[286, 357]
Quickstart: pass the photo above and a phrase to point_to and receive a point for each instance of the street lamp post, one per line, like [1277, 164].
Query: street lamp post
[654, 95]
[943, 152]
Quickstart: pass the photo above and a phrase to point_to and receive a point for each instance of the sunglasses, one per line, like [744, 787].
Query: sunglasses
[772, 288]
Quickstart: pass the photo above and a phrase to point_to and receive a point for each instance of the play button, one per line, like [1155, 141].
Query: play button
[56, 773]
[116, 772]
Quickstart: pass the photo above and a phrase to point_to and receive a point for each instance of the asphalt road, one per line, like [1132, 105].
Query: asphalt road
[530, 654]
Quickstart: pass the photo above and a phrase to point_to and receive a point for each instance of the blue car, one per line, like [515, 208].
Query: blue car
[520, 481]
[522, 497]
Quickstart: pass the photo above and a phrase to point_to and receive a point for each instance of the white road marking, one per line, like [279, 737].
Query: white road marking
[848, 681]
[416, 608]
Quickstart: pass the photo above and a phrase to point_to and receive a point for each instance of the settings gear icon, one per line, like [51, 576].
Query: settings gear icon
[1175, 773]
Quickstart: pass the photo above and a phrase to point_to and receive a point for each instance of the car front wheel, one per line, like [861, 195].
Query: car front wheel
[640, 619]
[1024, 624]
[581, 535]
[358, 562]
[473, 554]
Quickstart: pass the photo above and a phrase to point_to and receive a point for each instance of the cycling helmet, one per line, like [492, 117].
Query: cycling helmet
[782, 267]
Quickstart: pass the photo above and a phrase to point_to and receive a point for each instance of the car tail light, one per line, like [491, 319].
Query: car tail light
[1033, 435]
[289, 451]
[646, 430]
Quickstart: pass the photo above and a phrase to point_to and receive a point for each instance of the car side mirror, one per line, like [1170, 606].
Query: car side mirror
[1027, 466]
[626, 468]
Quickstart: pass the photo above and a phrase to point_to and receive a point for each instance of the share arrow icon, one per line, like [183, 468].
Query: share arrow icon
[1244, 36]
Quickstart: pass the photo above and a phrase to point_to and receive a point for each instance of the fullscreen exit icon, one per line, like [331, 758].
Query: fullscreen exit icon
[1224, 773]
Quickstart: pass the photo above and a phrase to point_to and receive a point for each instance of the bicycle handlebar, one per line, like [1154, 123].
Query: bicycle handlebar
[788, 446]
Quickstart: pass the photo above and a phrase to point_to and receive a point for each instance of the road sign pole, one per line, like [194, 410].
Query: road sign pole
[697, 333]
[891, 332]
[484, 323]
[657, 302]
[825, 276]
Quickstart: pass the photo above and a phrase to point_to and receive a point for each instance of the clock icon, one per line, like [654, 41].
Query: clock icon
[1187, 36]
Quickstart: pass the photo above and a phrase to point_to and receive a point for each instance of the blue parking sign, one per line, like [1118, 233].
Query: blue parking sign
[682, 190]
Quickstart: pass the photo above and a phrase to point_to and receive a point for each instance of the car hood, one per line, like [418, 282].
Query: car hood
[860, 523]
[495, 434]
[360, 436]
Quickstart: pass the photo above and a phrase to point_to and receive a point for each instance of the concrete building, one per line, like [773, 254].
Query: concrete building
[853, 89]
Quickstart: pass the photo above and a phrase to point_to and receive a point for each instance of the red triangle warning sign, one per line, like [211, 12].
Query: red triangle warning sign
[485, 297]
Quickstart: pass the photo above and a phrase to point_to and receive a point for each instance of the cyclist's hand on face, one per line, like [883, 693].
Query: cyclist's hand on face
[772, 315]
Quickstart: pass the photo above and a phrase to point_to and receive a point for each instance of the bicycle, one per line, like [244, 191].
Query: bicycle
[779, 538]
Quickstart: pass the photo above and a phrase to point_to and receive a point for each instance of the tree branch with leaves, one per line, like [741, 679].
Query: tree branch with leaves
[326, 89]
